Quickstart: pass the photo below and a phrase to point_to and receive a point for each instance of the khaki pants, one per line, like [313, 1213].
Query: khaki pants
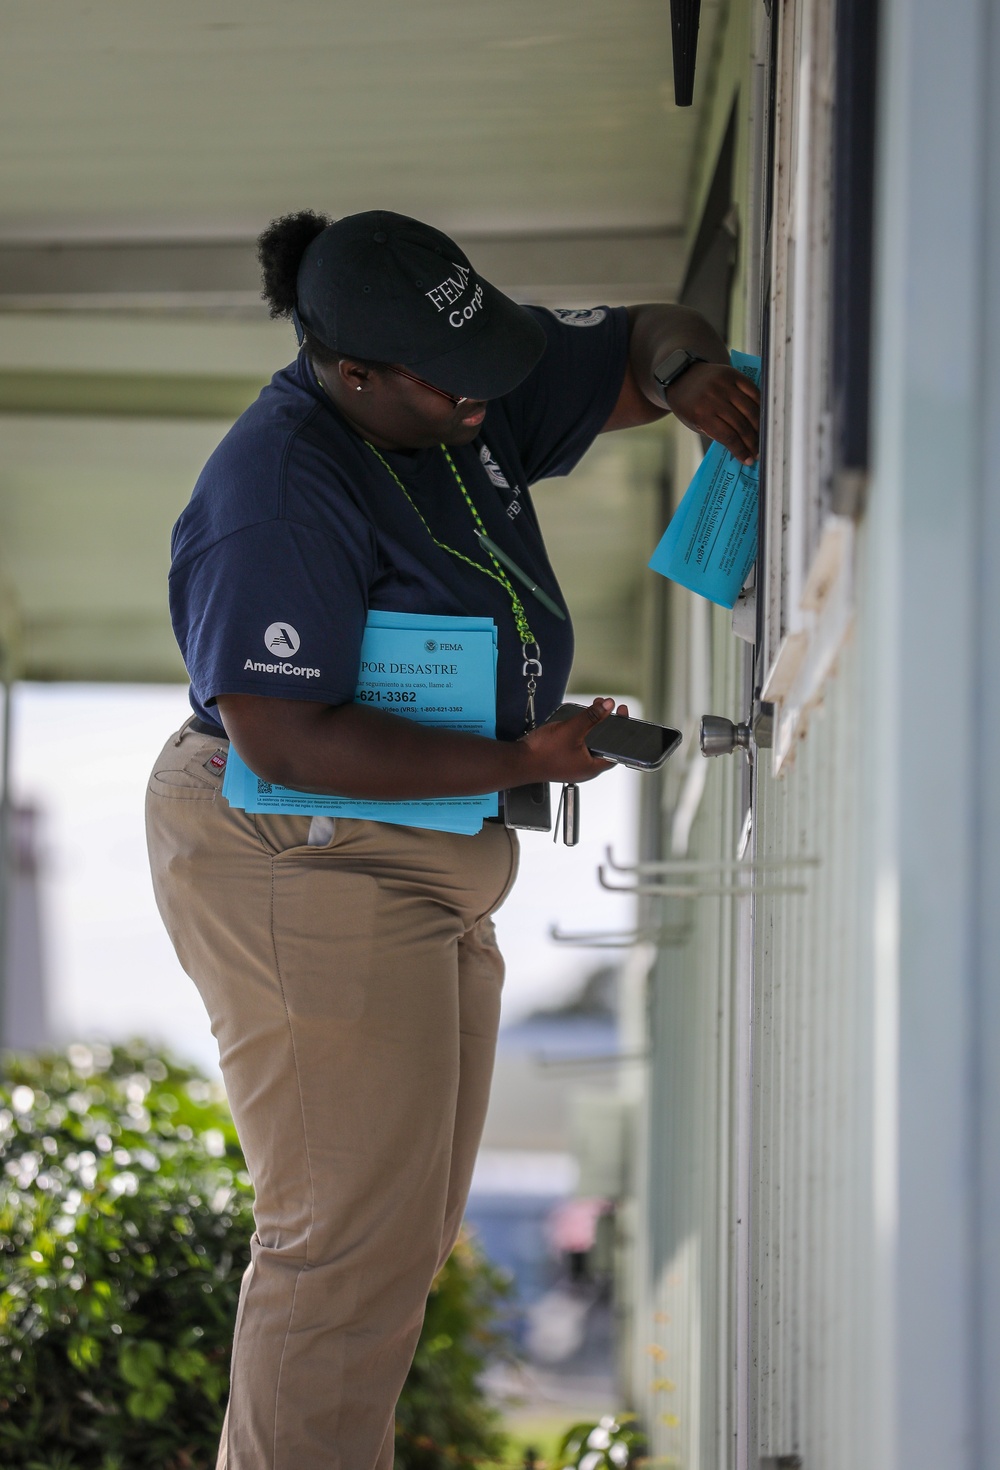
[354, 990]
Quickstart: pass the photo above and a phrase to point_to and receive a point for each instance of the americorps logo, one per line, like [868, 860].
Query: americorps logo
[281, 638]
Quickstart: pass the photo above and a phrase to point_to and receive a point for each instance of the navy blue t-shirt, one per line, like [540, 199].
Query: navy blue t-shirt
[295, 530]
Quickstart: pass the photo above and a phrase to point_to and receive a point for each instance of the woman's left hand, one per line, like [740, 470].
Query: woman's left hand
[716, 400]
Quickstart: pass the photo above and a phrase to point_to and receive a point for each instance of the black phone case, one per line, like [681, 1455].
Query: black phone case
[623, 739]
[528, 808]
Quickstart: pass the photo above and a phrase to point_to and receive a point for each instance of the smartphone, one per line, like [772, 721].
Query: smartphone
[634, 743]
[529, 808]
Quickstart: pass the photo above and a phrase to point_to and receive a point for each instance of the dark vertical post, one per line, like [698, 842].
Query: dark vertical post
[853, 213]
[684, 18]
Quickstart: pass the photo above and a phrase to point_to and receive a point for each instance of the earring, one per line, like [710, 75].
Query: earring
[359, 387]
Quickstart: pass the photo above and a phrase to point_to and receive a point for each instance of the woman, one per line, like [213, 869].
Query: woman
[350, 968]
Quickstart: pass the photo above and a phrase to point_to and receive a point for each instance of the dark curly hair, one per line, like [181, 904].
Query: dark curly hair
[280, 248]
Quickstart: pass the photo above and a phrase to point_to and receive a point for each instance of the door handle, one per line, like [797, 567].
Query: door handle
[720, 736]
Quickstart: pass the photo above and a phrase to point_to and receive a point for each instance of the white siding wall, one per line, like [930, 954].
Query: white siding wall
[804, 1356]
[684, 1327]
[811, 1325]
[870, 1341]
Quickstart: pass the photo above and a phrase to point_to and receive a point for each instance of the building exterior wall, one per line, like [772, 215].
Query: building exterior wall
[810, 1327]
[751, 1335]
[684, 1219]
[683, 1333]
[814, 1264]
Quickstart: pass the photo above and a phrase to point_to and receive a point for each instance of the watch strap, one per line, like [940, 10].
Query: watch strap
[670, 368]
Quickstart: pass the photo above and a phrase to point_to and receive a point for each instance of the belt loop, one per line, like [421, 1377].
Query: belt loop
[184, 729]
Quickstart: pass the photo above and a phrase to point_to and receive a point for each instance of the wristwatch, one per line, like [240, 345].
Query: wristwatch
[672, 367]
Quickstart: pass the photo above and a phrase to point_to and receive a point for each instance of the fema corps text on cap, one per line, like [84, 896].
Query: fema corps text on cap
[382, 286]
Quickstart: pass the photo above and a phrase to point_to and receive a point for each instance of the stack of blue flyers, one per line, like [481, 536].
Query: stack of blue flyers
[437, 670]
[711, 542]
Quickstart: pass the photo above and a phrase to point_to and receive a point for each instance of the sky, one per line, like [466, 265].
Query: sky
[82, 754]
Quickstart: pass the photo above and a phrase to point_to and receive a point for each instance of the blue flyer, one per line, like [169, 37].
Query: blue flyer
[437, 670]
[711, 541]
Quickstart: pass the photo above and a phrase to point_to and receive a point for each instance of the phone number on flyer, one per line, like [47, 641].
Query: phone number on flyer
[387, 696]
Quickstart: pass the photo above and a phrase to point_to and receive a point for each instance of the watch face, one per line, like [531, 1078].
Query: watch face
[671, 367]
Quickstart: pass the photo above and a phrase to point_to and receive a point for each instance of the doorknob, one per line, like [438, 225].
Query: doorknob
[720, 736]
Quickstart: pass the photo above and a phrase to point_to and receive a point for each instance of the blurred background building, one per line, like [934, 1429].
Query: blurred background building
[26, 1022]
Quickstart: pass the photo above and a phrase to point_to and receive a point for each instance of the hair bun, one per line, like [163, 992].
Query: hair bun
[280, 249]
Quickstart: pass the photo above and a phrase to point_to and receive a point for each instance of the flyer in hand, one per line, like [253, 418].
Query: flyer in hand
[439, 671]
[711, 542]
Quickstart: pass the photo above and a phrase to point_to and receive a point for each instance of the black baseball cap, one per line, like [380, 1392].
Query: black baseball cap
[385, 287]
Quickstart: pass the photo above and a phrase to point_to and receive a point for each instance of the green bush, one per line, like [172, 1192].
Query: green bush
[610, 1444]
[442, 1419]
[125, 1218]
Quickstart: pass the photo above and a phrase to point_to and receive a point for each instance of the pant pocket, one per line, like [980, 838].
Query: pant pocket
[282, 833]
[278, 833]
[322, 831]
[189, 769]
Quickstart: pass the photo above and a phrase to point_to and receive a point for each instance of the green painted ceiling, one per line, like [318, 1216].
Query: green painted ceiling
[198, 117]
[542, 132]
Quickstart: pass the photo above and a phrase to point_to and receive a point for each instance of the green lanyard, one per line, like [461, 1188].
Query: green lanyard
[532, 666]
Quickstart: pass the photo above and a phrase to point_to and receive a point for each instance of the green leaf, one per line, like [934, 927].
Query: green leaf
[150, 1403]
[139, 1363]
[84, 1352]
[187, 1364]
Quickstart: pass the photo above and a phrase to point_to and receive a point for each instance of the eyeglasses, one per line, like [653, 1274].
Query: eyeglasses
[451, 397]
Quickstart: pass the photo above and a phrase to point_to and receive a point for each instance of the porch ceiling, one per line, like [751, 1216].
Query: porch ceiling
[143, 145]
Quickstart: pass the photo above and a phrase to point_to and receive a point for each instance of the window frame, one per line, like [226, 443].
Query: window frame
[807, 542]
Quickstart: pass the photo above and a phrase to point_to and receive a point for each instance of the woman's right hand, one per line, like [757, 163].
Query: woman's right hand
[556, 751]
[352, 750]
